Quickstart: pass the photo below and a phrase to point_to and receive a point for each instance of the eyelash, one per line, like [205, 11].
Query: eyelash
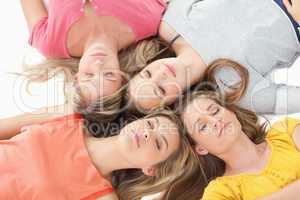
[157, 144]
[150, 124]
[203, 127]
[147, 74]
[110, 76]
[216, 112]
[162, 90]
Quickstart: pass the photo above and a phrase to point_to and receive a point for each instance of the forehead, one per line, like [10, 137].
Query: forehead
[163, 125]
[140, 86]
[199, 106]
[141, 92]
[167, 124]
[169, 130]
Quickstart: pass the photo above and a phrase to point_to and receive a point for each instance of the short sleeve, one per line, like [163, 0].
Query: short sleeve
[287, 125]
[219, 190]
[282, 132]
[38, 32]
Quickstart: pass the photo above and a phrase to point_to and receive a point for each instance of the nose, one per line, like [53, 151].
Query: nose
[160, 75]
[215, 123]
[219, 124]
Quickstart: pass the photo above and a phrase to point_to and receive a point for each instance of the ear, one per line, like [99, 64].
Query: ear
[149, 171]
[200, 150]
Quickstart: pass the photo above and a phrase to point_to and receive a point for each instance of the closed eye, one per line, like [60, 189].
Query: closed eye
[158, 145]
[216, 111]
[150, 124]
[146, 74]
[162, 90]
[159, 91]
[110, 76]
[203, 127]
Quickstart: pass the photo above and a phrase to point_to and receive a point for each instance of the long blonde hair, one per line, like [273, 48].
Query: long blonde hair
[212, 166]
[174, 176]
[107, 108]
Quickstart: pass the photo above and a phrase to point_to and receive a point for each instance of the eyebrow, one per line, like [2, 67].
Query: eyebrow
[163, 137]
[197, 121]
[165, 140]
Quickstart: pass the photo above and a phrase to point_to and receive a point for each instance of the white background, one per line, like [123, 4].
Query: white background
[14, 48]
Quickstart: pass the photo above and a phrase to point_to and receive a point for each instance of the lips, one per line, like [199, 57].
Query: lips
[99, 54]
[171, 69]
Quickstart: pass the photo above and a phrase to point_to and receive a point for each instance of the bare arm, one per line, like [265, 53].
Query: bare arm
[33, 11]
[184, 52]
[10, 127]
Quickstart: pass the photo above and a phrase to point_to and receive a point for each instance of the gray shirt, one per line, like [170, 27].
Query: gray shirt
[255, 33]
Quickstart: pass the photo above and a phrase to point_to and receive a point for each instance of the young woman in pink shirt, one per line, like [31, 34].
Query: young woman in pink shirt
[94, 31]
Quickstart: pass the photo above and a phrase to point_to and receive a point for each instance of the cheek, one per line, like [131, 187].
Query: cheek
[86, 65]
[142, 157]
[139, 88]
[209, 141]
[172, 92]
[149, 156]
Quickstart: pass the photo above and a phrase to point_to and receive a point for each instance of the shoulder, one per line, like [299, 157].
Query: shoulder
[296, 136]
[287, 126]
[221, 189]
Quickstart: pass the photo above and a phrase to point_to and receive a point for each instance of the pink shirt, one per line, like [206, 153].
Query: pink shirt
[50, 162]
[49, 35]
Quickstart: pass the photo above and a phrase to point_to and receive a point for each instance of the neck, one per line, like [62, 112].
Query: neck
[106, 155]
[103, 38]
[242, 155]
[193, 62]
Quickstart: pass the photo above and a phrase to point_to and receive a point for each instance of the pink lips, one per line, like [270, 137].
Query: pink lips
[99, 54]
[171, 69]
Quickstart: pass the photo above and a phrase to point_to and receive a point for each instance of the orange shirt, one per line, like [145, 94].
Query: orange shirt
[50, 162]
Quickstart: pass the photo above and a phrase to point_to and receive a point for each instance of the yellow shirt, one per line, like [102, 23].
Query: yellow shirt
[283, 168]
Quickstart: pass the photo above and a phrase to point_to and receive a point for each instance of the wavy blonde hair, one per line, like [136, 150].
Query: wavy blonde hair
[105, 109]
[174, 177]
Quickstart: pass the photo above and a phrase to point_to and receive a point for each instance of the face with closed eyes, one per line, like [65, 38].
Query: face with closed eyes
[147, 142]
[161, 82]
[213, 128]
[99, 74]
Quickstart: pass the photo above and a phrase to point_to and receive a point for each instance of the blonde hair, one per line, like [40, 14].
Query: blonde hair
[107, 108]
[174, 176]
[212, 166]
